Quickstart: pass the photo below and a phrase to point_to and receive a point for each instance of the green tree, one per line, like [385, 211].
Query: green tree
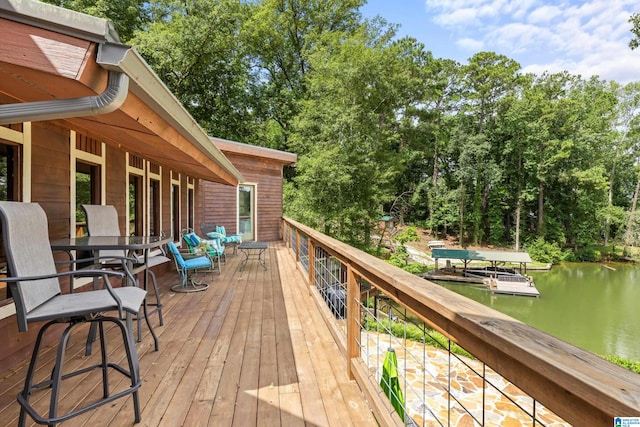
[635, 21]
[127, 16]
[194, 49]
[488, 81]
[358, 87]
[279, 36]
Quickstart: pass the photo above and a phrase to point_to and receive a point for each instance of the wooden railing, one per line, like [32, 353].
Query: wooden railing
[578, 386]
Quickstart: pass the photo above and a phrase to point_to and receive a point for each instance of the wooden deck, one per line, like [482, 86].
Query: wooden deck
[251, 350]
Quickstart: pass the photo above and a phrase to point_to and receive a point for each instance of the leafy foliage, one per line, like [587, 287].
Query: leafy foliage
[631, 365]
[542, 251]
[635, 21]
[412, 332]
[479, 150]
[127, 16]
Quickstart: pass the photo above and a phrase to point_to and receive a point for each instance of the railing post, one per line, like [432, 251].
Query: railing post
[284, 231]
[353, 319]
[312, 261]
[297, 245]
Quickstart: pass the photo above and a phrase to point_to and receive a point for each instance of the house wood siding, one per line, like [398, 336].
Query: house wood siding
[220, 201]
[50, 177]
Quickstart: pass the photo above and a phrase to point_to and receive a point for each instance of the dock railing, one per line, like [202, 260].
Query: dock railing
[458, 361]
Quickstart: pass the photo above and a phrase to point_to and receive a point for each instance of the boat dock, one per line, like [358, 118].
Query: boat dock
[499, 286]
[496, 279]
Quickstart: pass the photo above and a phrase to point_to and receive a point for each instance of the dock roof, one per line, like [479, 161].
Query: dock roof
[473, 255]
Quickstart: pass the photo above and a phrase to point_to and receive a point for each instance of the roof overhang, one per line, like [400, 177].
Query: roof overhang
[240, 148]
[49, 53]
[480, 255]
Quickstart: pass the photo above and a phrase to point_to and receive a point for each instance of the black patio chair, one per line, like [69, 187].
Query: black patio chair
[36, 290]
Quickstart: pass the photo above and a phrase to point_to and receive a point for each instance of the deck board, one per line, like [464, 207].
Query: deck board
[252, 350]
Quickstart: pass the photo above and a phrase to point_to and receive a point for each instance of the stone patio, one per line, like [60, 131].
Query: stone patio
[425, 387]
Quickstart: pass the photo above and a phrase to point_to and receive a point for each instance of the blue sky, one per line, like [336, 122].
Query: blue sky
[588, 37]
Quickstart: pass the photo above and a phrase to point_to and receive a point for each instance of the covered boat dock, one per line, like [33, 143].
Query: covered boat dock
[498, 280]
[494, 257]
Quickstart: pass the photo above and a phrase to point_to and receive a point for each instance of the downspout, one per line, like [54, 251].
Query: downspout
[111, 99]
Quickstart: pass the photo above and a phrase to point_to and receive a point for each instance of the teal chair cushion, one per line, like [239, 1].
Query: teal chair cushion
[193, 240]
[176, 254]
[198, 262]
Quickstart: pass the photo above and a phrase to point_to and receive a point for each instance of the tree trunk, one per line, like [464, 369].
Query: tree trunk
[461, 212]
[607, 224]
[540, 210]
[518, 213]
[628, 235]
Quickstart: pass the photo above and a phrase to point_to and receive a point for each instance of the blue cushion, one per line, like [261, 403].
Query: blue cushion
[192, 240]
[233, 238]
[201, 261]
[176, 254]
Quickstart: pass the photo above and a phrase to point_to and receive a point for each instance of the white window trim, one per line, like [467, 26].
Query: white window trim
[101, 161]
[254, 208]
[130, 170]
[178, 182]
[24, 139]
[147, 210]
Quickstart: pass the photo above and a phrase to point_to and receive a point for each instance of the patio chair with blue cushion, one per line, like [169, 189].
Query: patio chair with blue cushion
[189, 265]
[213, 247]
[232, 239]
[212, 230]
[36, 289]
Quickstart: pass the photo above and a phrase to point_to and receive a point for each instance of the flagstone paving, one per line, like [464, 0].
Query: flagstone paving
[425, 387]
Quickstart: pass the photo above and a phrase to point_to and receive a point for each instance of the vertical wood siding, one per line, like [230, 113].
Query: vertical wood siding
[219, 202]
[51, 189]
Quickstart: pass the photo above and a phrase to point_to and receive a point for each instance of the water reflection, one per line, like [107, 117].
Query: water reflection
[588, 305]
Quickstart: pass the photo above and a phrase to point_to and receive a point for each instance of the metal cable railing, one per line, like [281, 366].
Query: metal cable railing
[330, 279]
[375, 306]
[440, 383]
[304, 251]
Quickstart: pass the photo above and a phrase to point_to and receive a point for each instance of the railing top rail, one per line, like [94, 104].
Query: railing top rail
[581, 387]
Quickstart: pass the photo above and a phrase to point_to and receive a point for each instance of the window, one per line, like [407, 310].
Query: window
[87, 193]
[190, 202]
[154, 207]
[10, 178]
[175, 211]
[246, 211]
[136, 206]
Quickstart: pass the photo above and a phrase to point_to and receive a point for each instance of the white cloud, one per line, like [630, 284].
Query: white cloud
[543, 15]
[520, 8]
[458, 17]
[520, 38]
[470, 45]
[583, 37]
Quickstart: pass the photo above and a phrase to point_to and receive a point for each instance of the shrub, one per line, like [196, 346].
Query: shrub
[588, 254]
[542, 251]
[625, 363]
[416, 268]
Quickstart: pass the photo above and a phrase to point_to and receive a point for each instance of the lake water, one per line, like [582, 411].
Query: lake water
[588, 305]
